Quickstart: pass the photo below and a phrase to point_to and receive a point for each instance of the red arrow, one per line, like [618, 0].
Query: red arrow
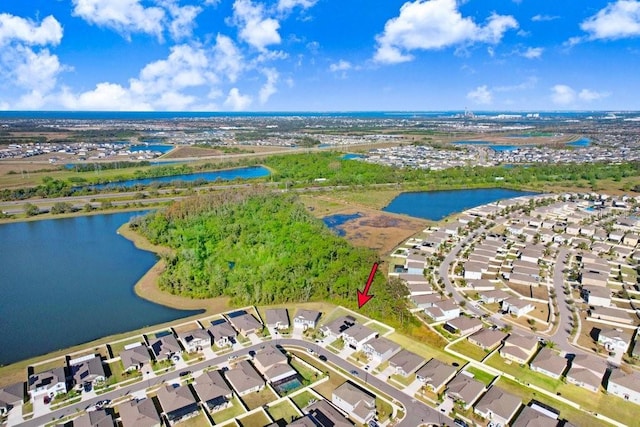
[364, 297]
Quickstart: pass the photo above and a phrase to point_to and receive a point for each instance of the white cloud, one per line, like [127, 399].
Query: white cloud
[562, 95]
[255, 27]
[269, 88]
[105, 96]
[183, 19]
[616, 21]
[589, 95]
[287, 5]
[435, 24]
[481, 95]
[236, 101]
[341, 65]
[533, 52]
[124, 16]
[543, 18]
[17, 29]
[228, 59]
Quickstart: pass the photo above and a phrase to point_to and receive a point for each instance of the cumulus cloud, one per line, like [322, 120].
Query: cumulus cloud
[562, 95]
[255, 27]
[341, 65]
[591, 95]
[481, 95]
[20, 30]
[432, 25]
[123, 16]
[616, 21]
[228, 59]
[543, 18]
[269, 88]
[287, 5]
[183, 19]
[105, 96]
[533, 52]
[236, 101]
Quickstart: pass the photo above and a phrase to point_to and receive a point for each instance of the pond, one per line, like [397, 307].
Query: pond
[335, 222]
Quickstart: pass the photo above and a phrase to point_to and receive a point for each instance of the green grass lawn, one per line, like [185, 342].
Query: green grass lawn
[524, 374]
[198, 421]
[482, 376]
[118, 347]
[119, 375]
[302, 399]
[254, 420]
[283, 411]
[383, 409]
[308, 375]
[339, 311]
[336, 345]
[327, 387]
[257, 399]
[424, 349]
[405, 381]
[231, 412]
[470, 350]
[381, 329]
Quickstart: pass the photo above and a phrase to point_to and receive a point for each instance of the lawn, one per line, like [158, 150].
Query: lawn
[118, 374]
[336, 345]
[118, 347]
[405, 381]
[424, 346]
[257, 399]
[302, 399]
[524, 374]
[283, 411]
[378, 327]
[308, 375]
[231, 412]
[339, 311]
[326, 387]
[198, 421]
[470, 350]
[482, 376]
[256, 419]
[383, 409]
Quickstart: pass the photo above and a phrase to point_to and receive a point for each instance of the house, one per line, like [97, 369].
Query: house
[413, 279]
[519, 348]
[222, 332]
[323, 414]
[517, 307]
[611, 314]
[49, 383]
[463, 325]
[474, 270]
[596, 295]
[245, 323]
[631, 239]
[87, 370]
[139, 413]
[178, 403]
[495, 296]
[244, 378]
[405, 362]
[626, 386]
[195, 340]
[530, 417]
[380, 349]
[306, 319]
[435, 374]
[165, 347]
[99, 418]
[549, 363]
[213, 391]
[425, 301]
[487, 339]
[277, 318]
[336, 328]
[11, 396]
[464, 389]
[498, 406]
[614, 339]
[587, 371]
[443, 310]
[357, 403]
[273, 365]
[357, 335]
[591, 278]
[135, 357]
[420, 289]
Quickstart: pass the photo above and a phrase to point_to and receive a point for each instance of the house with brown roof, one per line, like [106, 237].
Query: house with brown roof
[11, 396]
[487, 339]
[615, 339]
[222, 332]
[165, 347]
[405, 362]
[625, 386]
[139, 413]
[273, 364]
[49, 382]
[323, 414]
[380, 349]
[587, 371]
[87, 370]
[549, 363]
[356, 402]
[244, 378]
[99, 418]
[245, 323]
[464, 389]
[498, 406]
[306, 319]
[195, 340]
[463, 325]
[277, 318]
[178, 403]
[519, 348]
[529, 417]
[435, 374]
[213, 391]
[135, 357]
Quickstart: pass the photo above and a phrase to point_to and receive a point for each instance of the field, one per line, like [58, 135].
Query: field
[231, 412]
[469, 350]
[283, 411]
[257, 399]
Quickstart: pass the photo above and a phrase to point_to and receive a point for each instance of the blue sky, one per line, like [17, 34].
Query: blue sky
[319, 55]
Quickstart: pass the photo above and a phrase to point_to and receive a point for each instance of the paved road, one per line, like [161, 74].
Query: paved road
[416, 411]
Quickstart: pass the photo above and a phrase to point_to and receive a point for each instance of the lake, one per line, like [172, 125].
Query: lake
[436, 205]
[69, 281]
[160, 148]
[335, 222]
[580, 143]
[224, 175]
[495, 147]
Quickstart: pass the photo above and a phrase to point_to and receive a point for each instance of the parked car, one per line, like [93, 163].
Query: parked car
[354, 372]
[102, 403]
[185, 373]
[460, 423]
[47, 400]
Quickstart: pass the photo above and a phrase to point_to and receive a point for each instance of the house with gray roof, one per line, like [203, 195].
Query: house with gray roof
[277, 318]
[195, 340]
[165, 346]
[529, 417]
[244, 378]
[380, 349]
[323, 414]
[139, 413]
[87, 371]
[213, 390]
[464, 389]
[273, 364]
[337, 327]
[519, 348]
[356, 402]
[516, 306]
[49, 382]
[11, 396]
[357, 335]
[435, 374]
[245, 323]
[615, 339]
[487, 339]
[178, 403]
[463, 325]
[425, 301]
[405, 362]
[99, 418]
[306, 319]
[498, 406]
[135, 357]
[587, 371]
[612, 314]
[443, 310]
[549, 363]
[624, 385]
[222, 332]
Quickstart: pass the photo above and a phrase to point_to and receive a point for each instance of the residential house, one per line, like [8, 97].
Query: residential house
[405, 362]
[435, 374]
[306, 319]
[549, 363]
[495, 296]
[474, 270]
[139, 413]
[87, 370]
[425, 301]
[487, 339]
[245, 323]
[631, 239]
[519, 348]
[420, 289]
[178, 403]
[99, 418]
[464, 389]
[213, 390]
[591, 278]
[612, 315]
[498, 406]
[273, 364]
[323, 414]
[336, 328]
[463, 325]
[277, 318]
[626, 386]
[529, 417]
[195, 340]
[135, 357]
[414, 267]
[11, 396]
[516, 306]
[357, 403]
[615, 339]
[596, 295]
[443, 310]
[380, 349]
[244, 378]
[49, 383]
[165, 347]
[222, 332]
[587, 371]
[413, 279]
[357, 335]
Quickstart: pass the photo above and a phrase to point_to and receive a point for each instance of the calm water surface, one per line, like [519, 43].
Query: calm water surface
[69, 281]
[335, 222]
[435, 205]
